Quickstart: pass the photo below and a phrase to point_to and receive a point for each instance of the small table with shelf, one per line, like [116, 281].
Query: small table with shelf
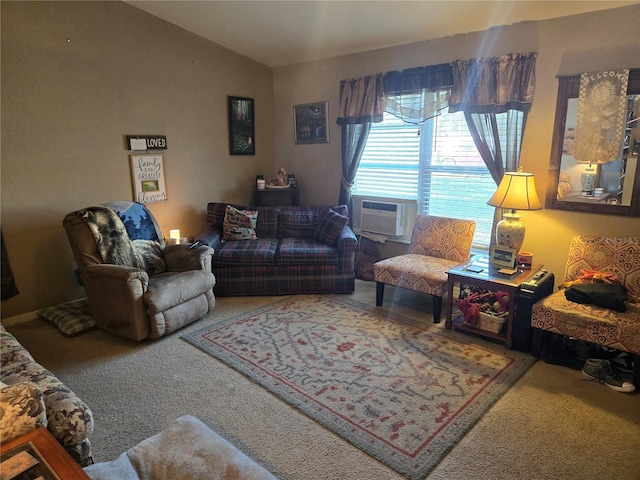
[38, 455]
[276, 197]
[490, 279]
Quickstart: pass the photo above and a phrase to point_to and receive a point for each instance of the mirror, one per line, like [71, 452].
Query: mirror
[611, 188]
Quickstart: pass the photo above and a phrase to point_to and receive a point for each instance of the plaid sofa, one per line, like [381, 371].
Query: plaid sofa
[286, 257]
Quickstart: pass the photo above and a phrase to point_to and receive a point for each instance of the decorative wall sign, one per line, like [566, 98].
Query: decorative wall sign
[602, 111]
[242, 140]
[310, 123]
[147, 172]
[147, 142]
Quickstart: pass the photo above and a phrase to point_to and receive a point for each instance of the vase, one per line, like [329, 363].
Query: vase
[510, 232]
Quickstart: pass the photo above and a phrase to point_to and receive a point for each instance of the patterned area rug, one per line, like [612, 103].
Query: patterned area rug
[403, 393]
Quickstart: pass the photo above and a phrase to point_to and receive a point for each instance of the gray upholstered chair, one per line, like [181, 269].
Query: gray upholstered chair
[136, 286]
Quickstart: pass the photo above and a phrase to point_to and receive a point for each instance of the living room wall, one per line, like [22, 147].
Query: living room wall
[77, 77]
[571, 45]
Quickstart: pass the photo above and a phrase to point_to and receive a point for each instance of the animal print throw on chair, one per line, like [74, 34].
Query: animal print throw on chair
[123, 237]
[405, 393]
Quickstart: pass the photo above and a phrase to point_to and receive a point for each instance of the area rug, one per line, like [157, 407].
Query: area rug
[402, 392]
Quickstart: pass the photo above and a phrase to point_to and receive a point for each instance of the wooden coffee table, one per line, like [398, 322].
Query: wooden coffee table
[37, 455]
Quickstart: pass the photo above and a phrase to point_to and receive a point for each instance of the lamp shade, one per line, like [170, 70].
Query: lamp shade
[517, 191]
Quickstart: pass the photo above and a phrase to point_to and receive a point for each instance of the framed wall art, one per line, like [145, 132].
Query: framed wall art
[147, 172]
[242, 140]
[310, 123]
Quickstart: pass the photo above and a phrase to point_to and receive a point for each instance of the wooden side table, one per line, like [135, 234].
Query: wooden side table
[38, 455]
[490, 279]
[276, 197]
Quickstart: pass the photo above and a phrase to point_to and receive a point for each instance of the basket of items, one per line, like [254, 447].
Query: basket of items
[483, 309]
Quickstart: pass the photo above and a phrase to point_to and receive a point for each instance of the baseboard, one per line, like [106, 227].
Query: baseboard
[19, 318]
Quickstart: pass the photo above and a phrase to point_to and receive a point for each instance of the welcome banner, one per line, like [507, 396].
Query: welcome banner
[601, 116]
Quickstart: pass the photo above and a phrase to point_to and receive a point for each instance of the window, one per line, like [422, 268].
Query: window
[436, 163]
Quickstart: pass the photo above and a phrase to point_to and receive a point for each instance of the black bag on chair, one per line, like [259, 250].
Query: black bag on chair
[607, 295]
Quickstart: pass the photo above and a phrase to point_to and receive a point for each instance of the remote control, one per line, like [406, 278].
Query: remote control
[195, 244]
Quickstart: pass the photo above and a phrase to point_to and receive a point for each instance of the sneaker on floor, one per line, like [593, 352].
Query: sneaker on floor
[598, 369]
[622, 363]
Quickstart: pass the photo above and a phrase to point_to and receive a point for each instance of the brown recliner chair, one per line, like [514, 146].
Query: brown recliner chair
[136, 286]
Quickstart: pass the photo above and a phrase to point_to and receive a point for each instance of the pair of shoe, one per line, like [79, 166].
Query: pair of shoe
[599, 369]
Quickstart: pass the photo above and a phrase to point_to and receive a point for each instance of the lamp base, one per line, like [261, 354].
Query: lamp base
[588, 181]
[510, 232]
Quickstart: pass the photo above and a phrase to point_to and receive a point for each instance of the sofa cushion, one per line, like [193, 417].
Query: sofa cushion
[305, 251]
[331, 224]
[599, 325]
[241, 253]
[267, 226]
[298, 225]
[23, 410]
[239, 224]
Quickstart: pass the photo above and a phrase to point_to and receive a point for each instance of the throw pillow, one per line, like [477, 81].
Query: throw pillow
[71, 318]
[23, 410]
[330, 227]
[239, 224]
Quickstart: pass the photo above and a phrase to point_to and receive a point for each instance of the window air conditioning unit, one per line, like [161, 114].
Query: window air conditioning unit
[382, 217]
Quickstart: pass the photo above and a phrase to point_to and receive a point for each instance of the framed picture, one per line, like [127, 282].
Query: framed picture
[503, 257]
[310, 123]
[242, 140]
[147, 172]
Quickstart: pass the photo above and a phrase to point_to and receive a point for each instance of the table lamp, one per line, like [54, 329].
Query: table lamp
[174, 237]
[517, 191]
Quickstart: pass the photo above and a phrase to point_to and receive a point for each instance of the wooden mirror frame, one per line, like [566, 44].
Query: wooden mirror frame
[569, 87]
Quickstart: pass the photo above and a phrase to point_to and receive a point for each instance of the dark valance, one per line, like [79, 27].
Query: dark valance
[412, 80]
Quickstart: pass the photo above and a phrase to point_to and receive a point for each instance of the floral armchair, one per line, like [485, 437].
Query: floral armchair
[437, 244]
[596, 324]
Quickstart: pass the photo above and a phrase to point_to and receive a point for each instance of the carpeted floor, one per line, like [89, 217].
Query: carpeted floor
[404, 393]
[551, 424]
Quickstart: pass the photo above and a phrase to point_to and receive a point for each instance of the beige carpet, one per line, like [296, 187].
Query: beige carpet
[551, 425]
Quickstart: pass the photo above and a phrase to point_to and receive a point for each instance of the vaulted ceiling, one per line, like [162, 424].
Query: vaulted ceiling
[280, 33]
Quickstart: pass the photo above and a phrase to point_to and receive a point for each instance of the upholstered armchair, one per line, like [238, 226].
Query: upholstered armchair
[136, 286]
[437, 244]
[589, 322]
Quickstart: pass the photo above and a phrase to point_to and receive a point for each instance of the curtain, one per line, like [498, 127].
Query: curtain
[484, 88]
[416, 94]
[9, 288]
[361, 103]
